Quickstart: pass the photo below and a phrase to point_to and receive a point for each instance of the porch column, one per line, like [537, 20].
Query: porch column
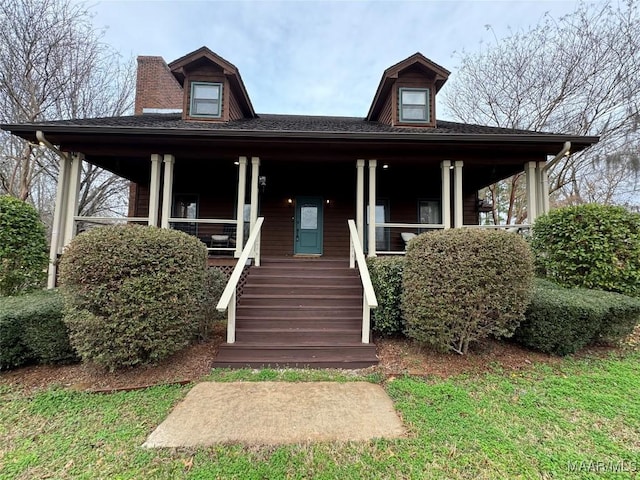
[530, 174]
[458, 204]
[255, 171]
[360, 200]
[372, 208]
[154, 190]
[242, 184]
[59, 216]
[167, 189]
[445, 166]
[72, 197]
[543, 191]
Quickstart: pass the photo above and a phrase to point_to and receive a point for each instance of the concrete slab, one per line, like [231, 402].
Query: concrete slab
[275, 413]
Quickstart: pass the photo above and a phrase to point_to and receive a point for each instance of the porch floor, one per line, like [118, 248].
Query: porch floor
[299, 312]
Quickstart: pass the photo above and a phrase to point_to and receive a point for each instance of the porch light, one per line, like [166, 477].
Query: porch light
[290, 201]
[236, 162]
[328, 201]
[385, 166]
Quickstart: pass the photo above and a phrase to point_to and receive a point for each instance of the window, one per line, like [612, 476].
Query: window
[206, 99]
[429, 211]
[185, 206]
[383, 234]
[414, 105]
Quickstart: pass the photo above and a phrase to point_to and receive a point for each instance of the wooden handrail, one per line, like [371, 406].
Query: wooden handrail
[369, 298]
[228, 298]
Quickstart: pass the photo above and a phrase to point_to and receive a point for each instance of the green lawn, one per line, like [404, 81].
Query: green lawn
[580, 419]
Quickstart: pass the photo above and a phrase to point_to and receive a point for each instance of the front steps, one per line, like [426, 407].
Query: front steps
[299, 313]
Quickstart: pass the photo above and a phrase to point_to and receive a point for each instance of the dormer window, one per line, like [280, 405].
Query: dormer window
[206, 100]
[414, 105]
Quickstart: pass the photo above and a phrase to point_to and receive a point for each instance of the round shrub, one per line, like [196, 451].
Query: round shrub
[23, 247]
[463, 285]
[386, 277]
[589, 246]
[133, 294]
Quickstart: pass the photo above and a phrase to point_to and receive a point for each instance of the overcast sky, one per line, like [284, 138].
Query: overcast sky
[315, 58]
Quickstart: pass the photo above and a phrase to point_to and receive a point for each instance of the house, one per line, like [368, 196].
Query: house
[200, 159]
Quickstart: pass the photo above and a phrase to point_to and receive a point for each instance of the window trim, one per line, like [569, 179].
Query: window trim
[193, 99]
[427, 105]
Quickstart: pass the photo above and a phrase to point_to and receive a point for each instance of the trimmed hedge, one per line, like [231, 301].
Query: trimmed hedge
[133, 295]
[23, 247]
[462, 285]
[386, 277]
[589, 246]
[31, 329]
[564, 320]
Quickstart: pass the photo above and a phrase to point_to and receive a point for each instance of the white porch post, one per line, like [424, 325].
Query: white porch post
[458, 204]
[242, 185]
[154, 190]
[253, 217]
[255, 171]
[530, 174]
[72, 197]
[167, 189]
[372, 208]
[445, 166]
[543, 191]
[360, 200]
[59, 215]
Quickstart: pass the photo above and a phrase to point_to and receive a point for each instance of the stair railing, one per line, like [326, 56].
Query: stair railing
[228, 298]
[369, 300]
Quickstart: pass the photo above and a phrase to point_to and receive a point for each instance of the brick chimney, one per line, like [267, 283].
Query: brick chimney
[156, 87]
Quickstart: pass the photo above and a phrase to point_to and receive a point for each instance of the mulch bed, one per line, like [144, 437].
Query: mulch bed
[397, 357]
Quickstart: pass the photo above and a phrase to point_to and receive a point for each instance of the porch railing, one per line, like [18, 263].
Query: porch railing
[228, 298]
[369, 300]
[398, 229]
[522, 228]
[206, 221]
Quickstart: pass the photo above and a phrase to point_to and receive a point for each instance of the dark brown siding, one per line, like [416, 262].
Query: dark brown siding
[235, 112]
[386, 115]
[470, 216]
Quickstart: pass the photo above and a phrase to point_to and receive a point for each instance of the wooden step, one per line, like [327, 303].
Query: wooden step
[309, 300]
[296, 289]
[307, 336]
[255, 355]
[319, 323]
[325, 311]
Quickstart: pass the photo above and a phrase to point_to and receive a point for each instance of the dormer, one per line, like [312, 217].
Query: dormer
[213, 89]
[407, 92]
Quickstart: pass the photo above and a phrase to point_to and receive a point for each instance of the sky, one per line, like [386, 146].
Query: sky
[316, 57]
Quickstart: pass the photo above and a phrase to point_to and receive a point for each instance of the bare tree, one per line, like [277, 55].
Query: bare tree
[579, 74]
[54, 65]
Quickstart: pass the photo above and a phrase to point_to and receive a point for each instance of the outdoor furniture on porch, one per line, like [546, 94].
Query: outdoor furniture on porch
[406, 237]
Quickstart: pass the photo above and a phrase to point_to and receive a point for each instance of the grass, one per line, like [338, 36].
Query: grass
[578, 419]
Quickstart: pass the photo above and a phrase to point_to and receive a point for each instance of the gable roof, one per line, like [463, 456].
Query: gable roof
[204, 55]
[439, 73]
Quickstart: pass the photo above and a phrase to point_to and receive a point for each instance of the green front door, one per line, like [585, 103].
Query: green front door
[308, 233]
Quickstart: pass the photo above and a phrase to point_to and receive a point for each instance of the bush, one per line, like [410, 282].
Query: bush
[31, 329]
[23, 247]
[215, 282]
[386, 276]
[590, 246]
[463, 285]
[562, 320]
[133, 295]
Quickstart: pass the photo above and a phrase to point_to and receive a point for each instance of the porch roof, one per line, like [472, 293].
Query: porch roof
[292, 126]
